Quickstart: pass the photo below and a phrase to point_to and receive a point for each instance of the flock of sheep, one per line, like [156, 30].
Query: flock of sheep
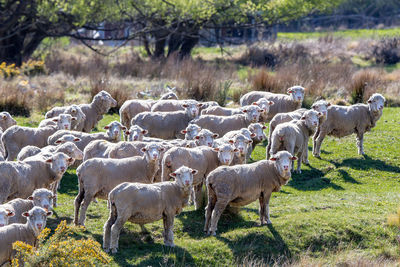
[194, 143]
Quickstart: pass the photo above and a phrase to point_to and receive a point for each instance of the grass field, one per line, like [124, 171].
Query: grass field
[338, 206]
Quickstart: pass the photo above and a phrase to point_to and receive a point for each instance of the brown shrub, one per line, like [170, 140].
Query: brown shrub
[387, 51]
[363, 84]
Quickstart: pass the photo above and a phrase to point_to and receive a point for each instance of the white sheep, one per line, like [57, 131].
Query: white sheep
[293, 136]
[146, 203]
[27, 233]
[131, 108]
[98, 176]
[6, 120]
[342, 121]
[241, 185]
[282, 102]
[76, 112]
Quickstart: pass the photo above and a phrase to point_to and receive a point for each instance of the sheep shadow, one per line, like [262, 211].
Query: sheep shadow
[365, 163]
[312, 180]
[69, 184]
[262, 246]
[135, 245]
[193, 222]
[347, 178]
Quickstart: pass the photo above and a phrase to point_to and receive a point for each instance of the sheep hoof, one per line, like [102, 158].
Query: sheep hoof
[306, 162]
[95, 200]
[114, 250]
[298, 171]
[317, 156]
[169, 244]
[269, 221]
[106, 250]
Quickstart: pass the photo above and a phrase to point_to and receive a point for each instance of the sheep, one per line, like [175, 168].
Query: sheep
[67, 118]
[205, 138]
[68, 148]
[20, 179]
[257, 130]
[113, 134]
[94, 111]
[282, 103]
[240, 185]
[76, 112]
[171, 105]
[6, 213]
[167, 125]
[97, 177]
[131, 108]
[293, 136]
[170, 95]
[27, 233]
[265, 104]
[281, 118]
[146, 203]
[342, 121]
[6, 120]
[41, 197]
[204, 159]
[242, 143]
[223, 124]
[17, 137]
[191, 131]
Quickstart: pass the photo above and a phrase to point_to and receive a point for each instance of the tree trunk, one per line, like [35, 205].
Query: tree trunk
[174, 43]
[188, 43]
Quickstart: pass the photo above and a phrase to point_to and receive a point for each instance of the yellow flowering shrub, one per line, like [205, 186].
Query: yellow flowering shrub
[9, 71]
[60, 249]
[28, 68]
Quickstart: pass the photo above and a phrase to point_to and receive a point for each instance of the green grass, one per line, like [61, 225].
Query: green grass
[354, 34]
[338, 204]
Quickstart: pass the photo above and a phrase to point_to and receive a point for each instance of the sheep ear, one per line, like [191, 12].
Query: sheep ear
[194, 172]
[185, 105]
[313, 107]
[261, 110]
[255, 104]
[319, 114]
[10, 213]
[253, 135]
[70, 159]
[49, 213]
[293, 158]
[236, 150]
[161, 149]
[123, 128]
[145, 132]
[127, 132]
[200, 105]
[216, 149]
[273, 159]
[4, 117]
[215, 135]
[58, 142]
[271, 103]
[249, 141]
[25, 214]
[290, 91]
[30, 197]
[264, 127]
[77, 139]
[73, 119]
[244, 110]
[106, 127]
[303, 118]
[231, 141]
[55, 120]
[197, 137]
[172, 174]
[49, 160]
[329, 104]
[183, 132]
[369, 101]
[144, 149]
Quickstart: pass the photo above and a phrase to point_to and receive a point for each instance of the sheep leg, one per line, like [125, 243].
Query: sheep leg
[107, 228]
[54, 186]
[266, 199]
[317, 132]
[360, 143]
[78, 201]
[264, 208]
[169, 230]
[289, 146]
[220, 206]
[300, 156]
[115, 231]
[85, 204]
[305, 154]
[212, 199]
[318, 144]
[198, 196]
[143, 229]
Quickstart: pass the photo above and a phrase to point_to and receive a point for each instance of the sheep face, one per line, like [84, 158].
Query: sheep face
[136, 133]
[59, 162]
[169, 96]
[205, 138]
[283, 163]
[64, 121]
[258, 130]
[321, 106]
[297, 93]
[311, 118]
[42, 198]
[192, 109]
[73, 151]
[184, 176]
[107, 100]
[376, 103]
[252, 112]
[191, 131]
[114, 130]
[67, 138]
[226, 153]
[6, 121]
[5, 214]
[265, 104]
[76, 112]
[241, 143]
[36, 218]
[152, 151]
